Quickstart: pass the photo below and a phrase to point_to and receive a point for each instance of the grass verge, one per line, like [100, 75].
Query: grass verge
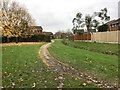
[22, 68]
[77, 83]
[105, 48]
[103, 67]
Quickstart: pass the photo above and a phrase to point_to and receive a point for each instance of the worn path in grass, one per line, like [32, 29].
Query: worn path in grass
[19, 44]
[63, 68]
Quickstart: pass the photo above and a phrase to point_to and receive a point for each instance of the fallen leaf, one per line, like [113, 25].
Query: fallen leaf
[13, 83]
[33, 85]
[84, 84]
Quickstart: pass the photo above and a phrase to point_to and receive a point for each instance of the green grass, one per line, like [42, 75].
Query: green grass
[76, 83]
[0, 66]
[102, 66]
[106, 48]
[22, 68]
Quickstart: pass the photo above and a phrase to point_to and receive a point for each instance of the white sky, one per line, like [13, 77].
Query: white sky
[54, 15]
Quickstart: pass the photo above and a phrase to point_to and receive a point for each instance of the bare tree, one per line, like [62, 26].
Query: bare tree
[89, 21]
[103, 15]
[77, 22]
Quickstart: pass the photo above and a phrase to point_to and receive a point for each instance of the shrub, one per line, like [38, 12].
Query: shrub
[103, 28]
[34, 38]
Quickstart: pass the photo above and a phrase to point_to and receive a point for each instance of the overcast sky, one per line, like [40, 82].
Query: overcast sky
[54, 15]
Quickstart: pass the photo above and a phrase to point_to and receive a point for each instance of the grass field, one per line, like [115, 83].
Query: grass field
[102, 66]
[105, 48]
[71, 82]
[23, 68]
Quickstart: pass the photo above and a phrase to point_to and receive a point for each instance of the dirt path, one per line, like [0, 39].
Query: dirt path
[62, 68]
[19, 44]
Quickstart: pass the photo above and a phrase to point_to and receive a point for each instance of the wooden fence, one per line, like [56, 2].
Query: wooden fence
[103, 37]
[82, 37]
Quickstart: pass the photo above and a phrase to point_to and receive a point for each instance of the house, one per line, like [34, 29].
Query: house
[58, 35]
[62, 35]
[37, 29]
[48, 33]
[114, 25]
[79, 31]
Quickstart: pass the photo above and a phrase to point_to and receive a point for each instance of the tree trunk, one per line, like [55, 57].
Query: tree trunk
[16, 39]
[8, 40]
[87, 28]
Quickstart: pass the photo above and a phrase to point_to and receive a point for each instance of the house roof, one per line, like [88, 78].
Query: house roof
[58, 33]
[38, 27]
[48, 33]
[114, 21]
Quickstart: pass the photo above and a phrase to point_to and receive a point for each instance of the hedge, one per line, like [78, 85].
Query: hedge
[34, 38]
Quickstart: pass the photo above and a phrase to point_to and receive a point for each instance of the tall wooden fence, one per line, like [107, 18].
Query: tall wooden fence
[111, 36]
[105, 36]
[86, 36]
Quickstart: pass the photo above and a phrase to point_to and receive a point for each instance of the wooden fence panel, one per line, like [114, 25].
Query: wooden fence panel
[82, 37]
[105, 36]
[102, 37]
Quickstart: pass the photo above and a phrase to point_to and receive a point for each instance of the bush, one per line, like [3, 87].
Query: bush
[34, 38]
[103, 28]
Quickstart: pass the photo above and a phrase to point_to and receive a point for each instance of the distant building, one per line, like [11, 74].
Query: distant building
[114, 25]
[47, 33]
[58, 35]
[37, 29]
[61, 35]
[79, 31]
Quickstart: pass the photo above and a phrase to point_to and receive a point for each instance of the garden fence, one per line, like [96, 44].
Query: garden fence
[103, 37]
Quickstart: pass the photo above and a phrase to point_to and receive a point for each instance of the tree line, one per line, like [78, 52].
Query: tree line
[15, 20]
[90, 21]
